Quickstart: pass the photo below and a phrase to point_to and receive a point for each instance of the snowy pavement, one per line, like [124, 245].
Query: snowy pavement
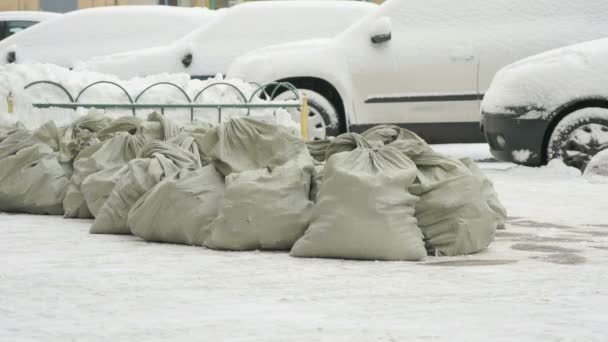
[544, 279]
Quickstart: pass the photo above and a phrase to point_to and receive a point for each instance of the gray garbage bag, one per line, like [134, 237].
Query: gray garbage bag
[6, 130]
[458, 211]
[33, 181]
[265, 209]
[318, 148]
[116, 151]
[180, 208]
[317, 180]
[128, 136]
[247, 144]
[364, 210]
[158, 161]
[81, 134]
[488, 192]
[96, 188]
[190, 141]
[21, 138]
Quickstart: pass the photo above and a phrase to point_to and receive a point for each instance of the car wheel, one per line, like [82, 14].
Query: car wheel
[323, 118]
[579, 136]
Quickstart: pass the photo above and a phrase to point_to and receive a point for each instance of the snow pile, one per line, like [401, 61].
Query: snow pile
[82, 34]
[597, 169]
[246, 27]
[14, 77]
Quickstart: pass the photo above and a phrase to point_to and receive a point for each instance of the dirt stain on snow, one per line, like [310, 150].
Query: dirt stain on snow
[593, 233]
[600, 247]
[471, 263]
[512, 235]
[537, 224]
[542, 248]
[555, 239]
[562, 258]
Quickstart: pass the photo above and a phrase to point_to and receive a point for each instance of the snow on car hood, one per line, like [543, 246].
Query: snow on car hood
[253, 63]
[535, 87]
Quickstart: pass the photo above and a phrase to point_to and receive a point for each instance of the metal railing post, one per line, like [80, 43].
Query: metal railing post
[304, 117]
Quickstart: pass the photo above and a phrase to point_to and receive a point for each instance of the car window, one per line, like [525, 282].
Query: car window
[13, 27]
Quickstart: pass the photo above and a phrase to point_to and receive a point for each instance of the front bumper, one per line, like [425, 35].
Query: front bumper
[515, 140]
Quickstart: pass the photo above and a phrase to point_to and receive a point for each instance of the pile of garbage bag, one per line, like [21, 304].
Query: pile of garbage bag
[251, 185]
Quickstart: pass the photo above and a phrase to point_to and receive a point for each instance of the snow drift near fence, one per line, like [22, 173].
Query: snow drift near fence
[14, 77]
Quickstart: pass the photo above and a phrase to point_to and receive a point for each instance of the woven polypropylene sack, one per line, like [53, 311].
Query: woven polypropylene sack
[264, 209]
[159, 161]
[247, 144]
[179, 209]
[364, 210]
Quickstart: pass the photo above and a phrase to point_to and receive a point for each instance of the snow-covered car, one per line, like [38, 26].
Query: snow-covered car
[236, 30]
[86, 33]
[12, 22]
[421, 64]
[548, 106]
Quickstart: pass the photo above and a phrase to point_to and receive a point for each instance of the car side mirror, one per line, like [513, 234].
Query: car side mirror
[381, 30]
[187, 60]
[11, 57]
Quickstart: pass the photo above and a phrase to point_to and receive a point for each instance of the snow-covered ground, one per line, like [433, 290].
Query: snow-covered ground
[544, 279]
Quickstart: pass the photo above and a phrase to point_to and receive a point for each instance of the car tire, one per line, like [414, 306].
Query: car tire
[323, 118]
[579, 136]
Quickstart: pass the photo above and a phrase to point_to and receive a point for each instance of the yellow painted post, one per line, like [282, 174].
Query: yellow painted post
[9, 102]
[304, 117]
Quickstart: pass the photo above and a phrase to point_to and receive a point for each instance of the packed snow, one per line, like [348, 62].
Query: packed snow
[597, 169]
[547, 81]
[86, 33]
[14, 77]
[542, 279]
[247, 26]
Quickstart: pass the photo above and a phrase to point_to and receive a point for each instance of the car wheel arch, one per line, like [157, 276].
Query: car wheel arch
[562, 111]
[324, 88]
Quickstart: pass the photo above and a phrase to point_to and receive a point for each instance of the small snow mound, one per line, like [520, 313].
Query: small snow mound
[557, 167]
[554, 169]
[597, 169]
[522, 156]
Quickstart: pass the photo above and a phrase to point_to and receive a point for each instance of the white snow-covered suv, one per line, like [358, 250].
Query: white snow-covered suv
[421, 64]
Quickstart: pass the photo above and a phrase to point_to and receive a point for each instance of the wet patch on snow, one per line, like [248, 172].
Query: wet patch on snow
[471, 263]
[509, 234]
[593, 233]
[537, 224]
[562, 259]
[542, 248]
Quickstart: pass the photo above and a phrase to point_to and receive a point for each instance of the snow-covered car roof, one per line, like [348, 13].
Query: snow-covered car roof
[82, 34]
[544, 82]
[234, 31]
[28, 15]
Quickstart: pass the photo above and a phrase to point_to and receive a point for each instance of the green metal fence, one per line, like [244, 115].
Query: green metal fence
[262, 91]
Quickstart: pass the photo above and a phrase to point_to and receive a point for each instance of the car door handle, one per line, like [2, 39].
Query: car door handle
[468, 58]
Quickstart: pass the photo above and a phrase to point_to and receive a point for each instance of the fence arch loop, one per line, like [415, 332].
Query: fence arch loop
[243, 97]
[54, 84]
[105, 82]
[164, 83]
